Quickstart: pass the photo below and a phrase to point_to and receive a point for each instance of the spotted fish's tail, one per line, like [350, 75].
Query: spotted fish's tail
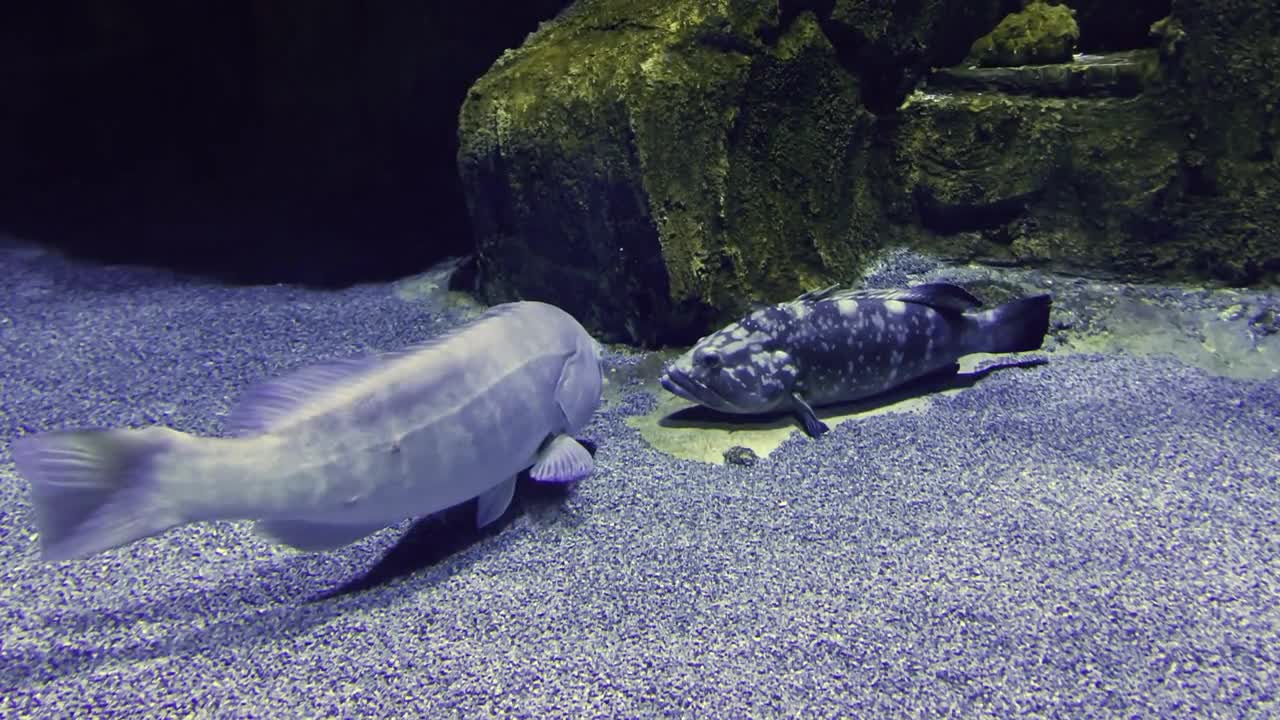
[1016, 326]
[94, 489]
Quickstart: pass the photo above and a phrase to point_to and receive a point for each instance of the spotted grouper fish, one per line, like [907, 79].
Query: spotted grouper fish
[834, 346]
[328, 454]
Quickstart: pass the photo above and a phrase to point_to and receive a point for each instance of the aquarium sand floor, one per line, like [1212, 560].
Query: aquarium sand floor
[1094, 536]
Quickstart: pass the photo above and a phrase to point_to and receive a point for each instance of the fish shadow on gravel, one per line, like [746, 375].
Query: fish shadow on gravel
[431, 540]
[700, 416]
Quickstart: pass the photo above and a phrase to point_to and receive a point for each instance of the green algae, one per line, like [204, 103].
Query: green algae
[1038, 34]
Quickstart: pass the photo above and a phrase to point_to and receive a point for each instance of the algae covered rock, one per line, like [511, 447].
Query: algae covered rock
[1170, 37]
[888, 46]
[1193, 196]
[654, 167]
[651, 165]
[1067, 182]
[1039, 34]
[1220, 58]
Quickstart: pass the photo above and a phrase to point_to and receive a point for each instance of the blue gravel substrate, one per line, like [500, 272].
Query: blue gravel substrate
[1094, 537]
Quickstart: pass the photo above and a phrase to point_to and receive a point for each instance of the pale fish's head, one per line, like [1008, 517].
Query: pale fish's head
[739, 369]
[581, 381]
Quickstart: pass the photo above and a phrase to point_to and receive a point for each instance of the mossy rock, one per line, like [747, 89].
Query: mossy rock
[654, 167]
[1039, 34]
[1070, 183]
[1220, 58]
[888, 46]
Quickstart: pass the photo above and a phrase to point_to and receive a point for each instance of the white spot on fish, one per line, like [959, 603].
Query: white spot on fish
[897, 307]
[878, 320]
[847, 307]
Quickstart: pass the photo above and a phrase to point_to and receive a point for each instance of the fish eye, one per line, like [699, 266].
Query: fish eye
[711, 360]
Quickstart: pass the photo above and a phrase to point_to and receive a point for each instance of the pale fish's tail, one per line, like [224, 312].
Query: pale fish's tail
[94, 490]
[1016, 326]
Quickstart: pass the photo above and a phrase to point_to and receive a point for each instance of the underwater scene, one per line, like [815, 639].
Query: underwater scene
[690, 359]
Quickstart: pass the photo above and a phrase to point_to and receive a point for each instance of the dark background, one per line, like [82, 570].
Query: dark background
[258, 140]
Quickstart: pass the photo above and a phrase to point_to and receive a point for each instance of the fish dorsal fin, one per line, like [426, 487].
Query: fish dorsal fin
[820, 294]
[943, 297]
[940, 296]
[270, 404]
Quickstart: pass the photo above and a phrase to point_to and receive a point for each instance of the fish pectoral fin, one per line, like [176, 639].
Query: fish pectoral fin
[311, 535]
[493, 502]
[812, 425]
[562, 460]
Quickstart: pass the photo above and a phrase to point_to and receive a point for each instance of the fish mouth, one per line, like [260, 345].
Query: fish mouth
[681, 385]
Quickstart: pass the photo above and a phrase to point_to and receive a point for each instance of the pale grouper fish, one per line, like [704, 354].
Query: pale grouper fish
[333, 452]
[834, 346]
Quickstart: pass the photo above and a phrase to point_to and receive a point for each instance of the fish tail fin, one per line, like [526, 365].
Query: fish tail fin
[94, 490]
[1016, 326]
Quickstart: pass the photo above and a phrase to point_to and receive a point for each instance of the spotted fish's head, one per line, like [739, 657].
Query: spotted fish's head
[740, 369]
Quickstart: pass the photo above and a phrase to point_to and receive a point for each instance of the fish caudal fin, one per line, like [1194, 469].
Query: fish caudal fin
[94, 490]
[1016, 326]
